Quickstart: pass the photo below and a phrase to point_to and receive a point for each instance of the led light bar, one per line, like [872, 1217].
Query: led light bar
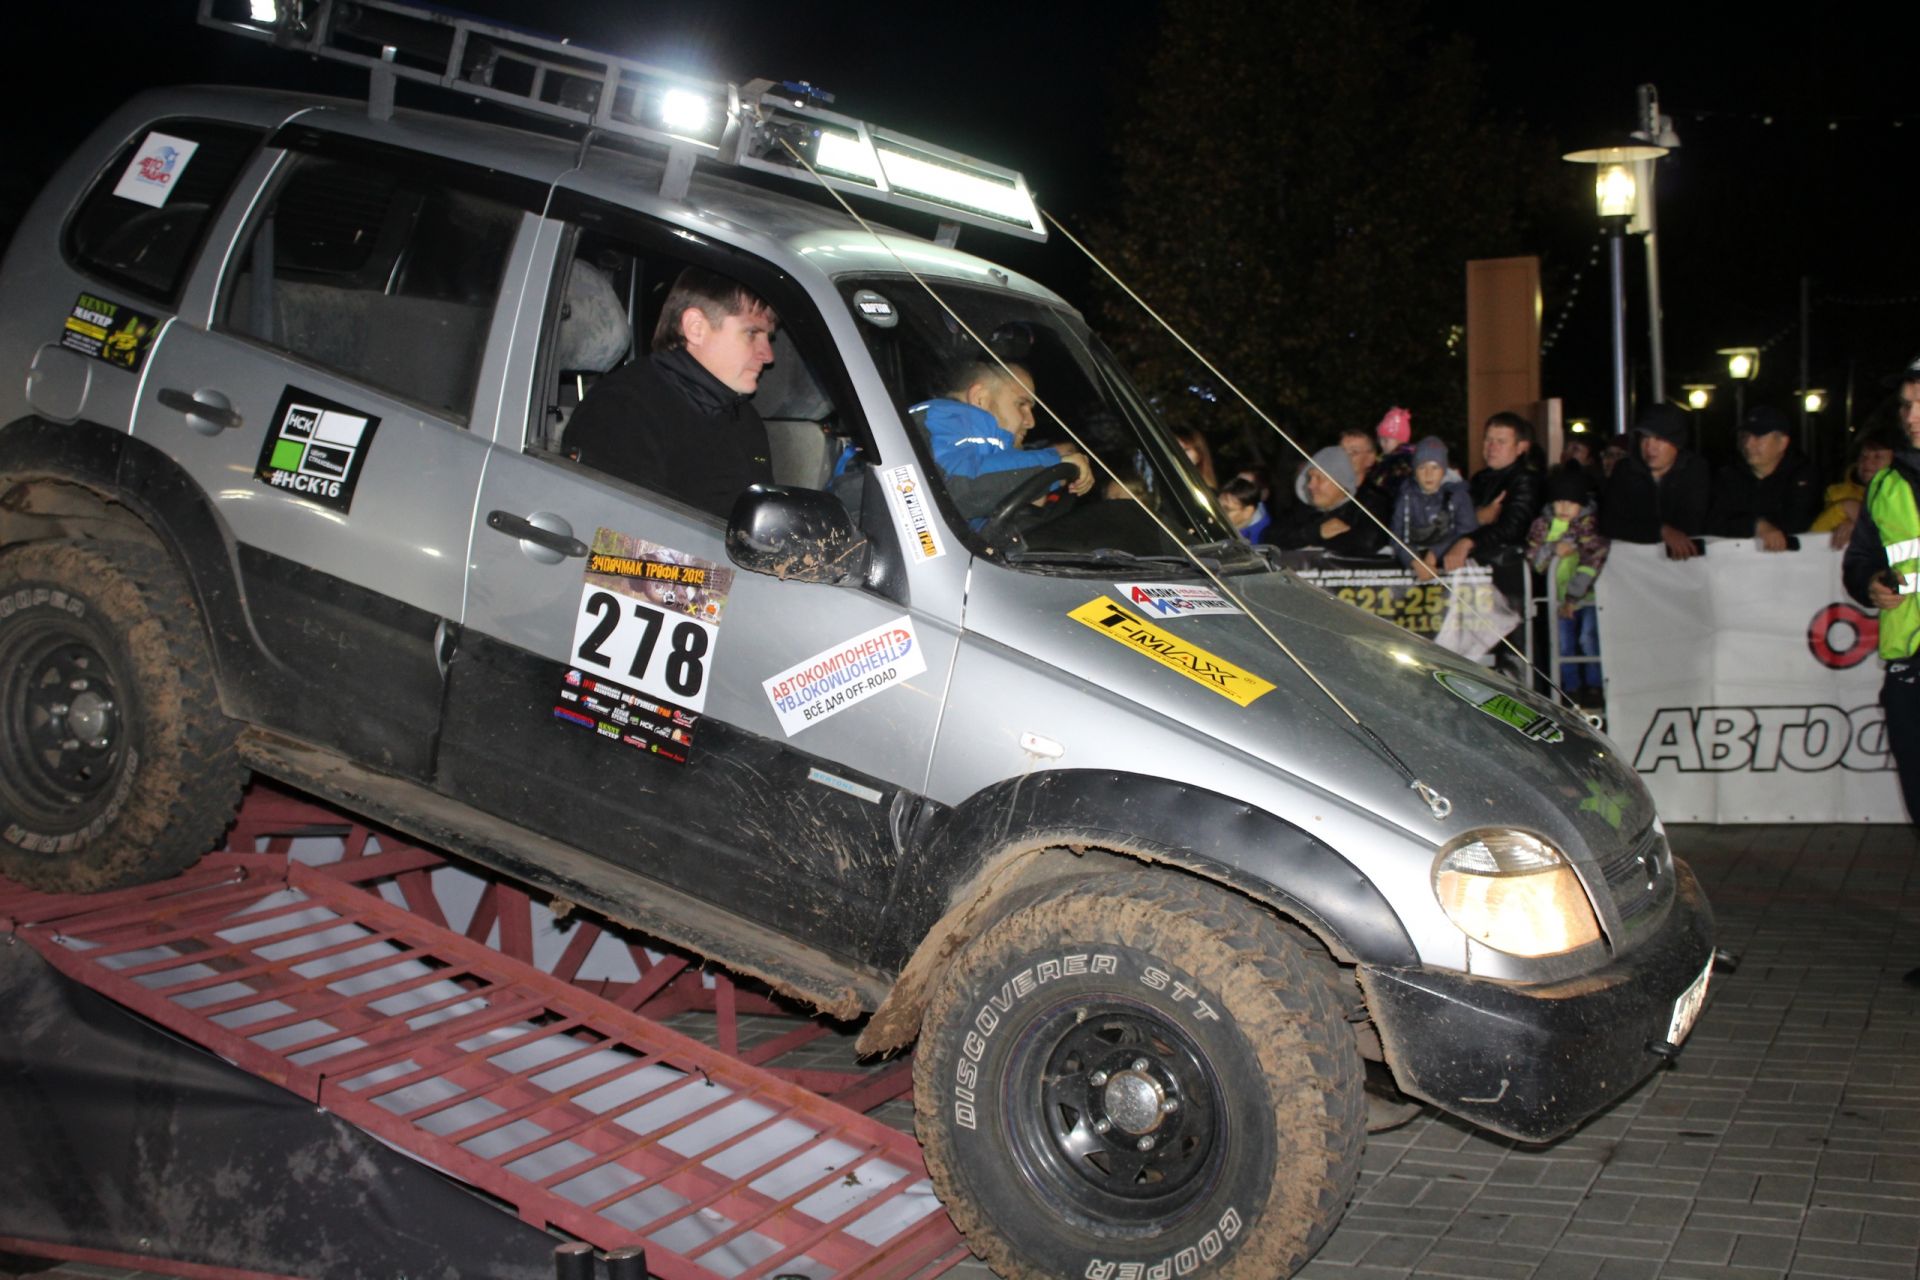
[751, 127]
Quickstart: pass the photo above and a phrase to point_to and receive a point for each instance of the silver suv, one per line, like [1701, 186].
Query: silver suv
[283, 488]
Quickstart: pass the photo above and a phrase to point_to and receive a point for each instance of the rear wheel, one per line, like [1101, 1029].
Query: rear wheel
[1141, 1069]
[116, 764]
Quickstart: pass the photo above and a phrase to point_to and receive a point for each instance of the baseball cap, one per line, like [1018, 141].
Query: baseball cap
[1665, 421]
[1764, 419]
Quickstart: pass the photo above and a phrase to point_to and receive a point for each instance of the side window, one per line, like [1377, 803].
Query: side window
[142, 224]
[385, 276]
[610, 301]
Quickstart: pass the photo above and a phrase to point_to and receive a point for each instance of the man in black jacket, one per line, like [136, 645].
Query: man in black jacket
[1660, 491]
[681, 422]
[1772, 493]
[1506, 497]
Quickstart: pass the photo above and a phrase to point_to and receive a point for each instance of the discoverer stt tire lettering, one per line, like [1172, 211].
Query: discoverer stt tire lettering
[1138, 1074]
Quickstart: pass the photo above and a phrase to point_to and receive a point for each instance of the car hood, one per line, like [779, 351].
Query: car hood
[1498, 754]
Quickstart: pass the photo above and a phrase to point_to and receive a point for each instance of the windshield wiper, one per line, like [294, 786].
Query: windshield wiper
[1104, 556]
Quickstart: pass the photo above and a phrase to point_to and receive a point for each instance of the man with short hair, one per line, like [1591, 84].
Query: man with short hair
[1659, 492]
[1881, 569]
[1772, 493]
[1330, 514]
[681, 421]
[978, 428]
[1506, 498]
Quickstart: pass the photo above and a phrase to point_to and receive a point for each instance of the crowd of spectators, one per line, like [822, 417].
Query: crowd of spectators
[1380, 495]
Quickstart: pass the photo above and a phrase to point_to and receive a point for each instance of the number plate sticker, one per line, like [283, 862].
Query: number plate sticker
[649, 617]
[1687, 1008]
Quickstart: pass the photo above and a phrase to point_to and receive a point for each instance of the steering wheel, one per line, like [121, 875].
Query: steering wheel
[1026, 492]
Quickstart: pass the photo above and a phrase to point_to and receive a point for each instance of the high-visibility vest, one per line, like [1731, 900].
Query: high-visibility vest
[1890, 501]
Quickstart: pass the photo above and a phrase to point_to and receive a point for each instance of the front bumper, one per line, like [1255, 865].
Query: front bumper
[1533, 1061]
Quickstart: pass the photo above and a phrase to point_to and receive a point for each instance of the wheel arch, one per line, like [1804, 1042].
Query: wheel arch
[966, 865]
[91, 482]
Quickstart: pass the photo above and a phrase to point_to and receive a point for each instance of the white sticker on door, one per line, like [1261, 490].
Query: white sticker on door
[834, 679]
[912, 513]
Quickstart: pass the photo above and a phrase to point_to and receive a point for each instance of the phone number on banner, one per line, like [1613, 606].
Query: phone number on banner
[1419, 607]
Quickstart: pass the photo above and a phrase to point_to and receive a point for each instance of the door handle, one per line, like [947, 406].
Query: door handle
[208, 412]
[520, 527]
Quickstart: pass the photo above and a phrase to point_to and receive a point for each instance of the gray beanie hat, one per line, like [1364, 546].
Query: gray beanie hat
[1430, 449]
[1339, 468]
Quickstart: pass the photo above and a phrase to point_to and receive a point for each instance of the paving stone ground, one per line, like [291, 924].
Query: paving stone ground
[1784, 1144]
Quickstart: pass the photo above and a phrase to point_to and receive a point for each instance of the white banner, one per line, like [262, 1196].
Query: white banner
[1744, 685]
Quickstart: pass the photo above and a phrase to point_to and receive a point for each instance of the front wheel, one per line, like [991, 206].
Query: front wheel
[116, 764]
[1140, 1074]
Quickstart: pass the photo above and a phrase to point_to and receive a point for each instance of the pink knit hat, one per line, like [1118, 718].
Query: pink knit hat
[1396, 427]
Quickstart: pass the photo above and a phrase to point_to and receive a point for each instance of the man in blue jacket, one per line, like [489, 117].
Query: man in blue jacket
[977, 429]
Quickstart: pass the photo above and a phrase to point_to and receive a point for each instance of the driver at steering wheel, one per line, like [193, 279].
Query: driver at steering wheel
[977, 428]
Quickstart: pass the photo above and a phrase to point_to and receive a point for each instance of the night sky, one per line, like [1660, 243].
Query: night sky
[1798, 135]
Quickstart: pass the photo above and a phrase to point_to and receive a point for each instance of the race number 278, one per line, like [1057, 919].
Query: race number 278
[643, 647]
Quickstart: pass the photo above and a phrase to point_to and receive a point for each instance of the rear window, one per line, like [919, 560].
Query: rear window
[142, 224]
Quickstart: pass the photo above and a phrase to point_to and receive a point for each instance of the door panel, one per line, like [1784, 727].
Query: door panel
[795, 830]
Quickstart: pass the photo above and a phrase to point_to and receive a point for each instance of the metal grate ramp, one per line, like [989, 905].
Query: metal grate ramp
[481, 1048]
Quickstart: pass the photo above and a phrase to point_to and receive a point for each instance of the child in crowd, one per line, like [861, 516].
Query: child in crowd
[1431, 513]
[1566, 539]
[1395, 434]
[1240, 502]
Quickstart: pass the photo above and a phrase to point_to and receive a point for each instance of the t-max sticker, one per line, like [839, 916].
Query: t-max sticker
[316, 448]
[834, 679]
[649, 617]
[1170, 651]
[621, 715]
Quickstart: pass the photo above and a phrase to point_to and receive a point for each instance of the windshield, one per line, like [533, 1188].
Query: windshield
[1003, 472]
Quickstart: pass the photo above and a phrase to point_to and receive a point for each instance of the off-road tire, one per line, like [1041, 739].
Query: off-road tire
[1177, 991]
[116, 764]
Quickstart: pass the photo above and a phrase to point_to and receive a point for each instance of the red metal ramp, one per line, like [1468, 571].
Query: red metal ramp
[564, 1097]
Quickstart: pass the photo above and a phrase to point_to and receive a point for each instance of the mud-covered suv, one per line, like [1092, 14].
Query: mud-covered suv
[282, 488]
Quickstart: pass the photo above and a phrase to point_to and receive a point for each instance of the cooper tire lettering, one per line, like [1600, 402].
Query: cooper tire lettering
[116, 764]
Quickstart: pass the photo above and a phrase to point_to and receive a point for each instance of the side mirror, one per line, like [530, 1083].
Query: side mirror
[802, 535]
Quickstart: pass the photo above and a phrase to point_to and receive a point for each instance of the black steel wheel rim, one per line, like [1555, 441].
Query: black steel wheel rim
[64, 733]
[1115, 1114]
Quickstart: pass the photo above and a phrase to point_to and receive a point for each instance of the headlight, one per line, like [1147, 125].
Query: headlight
[1515, 893]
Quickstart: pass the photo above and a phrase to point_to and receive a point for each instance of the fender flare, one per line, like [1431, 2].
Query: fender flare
[126, 472]
[962, 862]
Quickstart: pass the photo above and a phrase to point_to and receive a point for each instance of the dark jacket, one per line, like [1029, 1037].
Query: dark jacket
[1431, 521]
[1634, 505]
[1506, 537]
[1300, 527]
[666, 424]
[1788, 499]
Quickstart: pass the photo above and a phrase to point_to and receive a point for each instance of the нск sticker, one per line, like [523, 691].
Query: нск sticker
[1170, 651]
[155, 169]
[316, 448]
[834, 679]
[649, 617]
[1172, 599]
[110, 331]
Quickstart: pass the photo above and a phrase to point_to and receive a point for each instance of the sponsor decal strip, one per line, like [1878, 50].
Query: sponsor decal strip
[907, 499]
[834, 679]
[621, 715]
[1170, 651]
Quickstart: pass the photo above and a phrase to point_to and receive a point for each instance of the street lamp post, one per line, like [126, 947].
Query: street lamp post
[1617, 194]
[1743, 366]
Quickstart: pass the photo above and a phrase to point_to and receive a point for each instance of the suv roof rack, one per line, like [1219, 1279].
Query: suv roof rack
[747, 126]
